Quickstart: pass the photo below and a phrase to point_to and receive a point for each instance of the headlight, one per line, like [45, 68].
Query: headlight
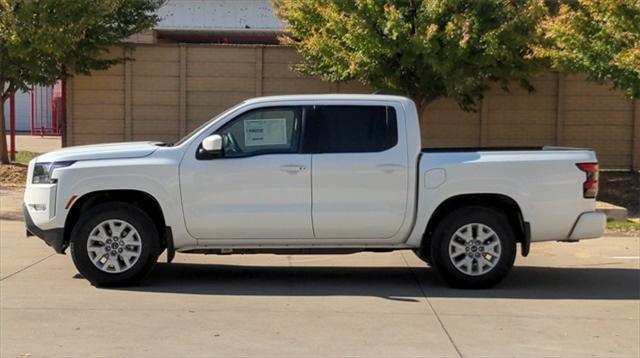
[42, 171]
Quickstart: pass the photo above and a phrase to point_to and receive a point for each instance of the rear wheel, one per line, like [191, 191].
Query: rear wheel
[114, 244]
[473, 247]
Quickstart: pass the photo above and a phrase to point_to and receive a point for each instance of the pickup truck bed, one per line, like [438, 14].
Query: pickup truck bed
[495, 149]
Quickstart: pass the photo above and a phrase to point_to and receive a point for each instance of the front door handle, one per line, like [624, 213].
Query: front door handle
[390, 168]
[293, 168]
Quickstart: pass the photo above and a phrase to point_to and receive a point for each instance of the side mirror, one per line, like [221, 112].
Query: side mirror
[213, 144]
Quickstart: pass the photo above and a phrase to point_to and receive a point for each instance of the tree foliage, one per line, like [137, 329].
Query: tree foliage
[600, 38]
[42, 41]
[425, 49]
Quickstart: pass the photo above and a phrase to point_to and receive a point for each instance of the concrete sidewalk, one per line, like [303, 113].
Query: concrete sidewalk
[11, 203]
[572, 300]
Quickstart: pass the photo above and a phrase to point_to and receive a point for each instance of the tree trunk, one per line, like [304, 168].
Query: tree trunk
[421, 107]
[4, 153]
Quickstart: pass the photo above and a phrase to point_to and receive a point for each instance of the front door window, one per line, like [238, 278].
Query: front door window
[262, 131]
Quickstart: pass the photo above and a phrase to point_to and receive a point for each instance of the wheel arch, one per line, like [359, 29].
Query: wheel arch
[145, 201]
[500, 202]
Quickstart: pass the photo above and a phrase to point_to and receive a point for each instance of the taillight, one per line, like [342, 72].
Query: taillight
[590, 185]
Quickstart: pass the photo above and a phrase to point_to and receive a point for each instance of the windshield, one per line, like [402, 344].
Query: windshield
[205, 124]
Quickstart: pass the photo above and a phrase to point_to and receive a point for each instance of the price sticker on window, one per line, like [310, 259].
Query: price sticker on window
[261, 132]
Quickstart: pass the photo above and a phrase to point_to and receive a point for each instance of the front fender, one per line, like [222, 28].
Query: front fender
[157, 177]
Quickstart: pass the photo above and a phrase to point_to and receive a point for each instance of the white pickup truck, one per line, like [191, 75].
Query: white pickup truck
[309, 174]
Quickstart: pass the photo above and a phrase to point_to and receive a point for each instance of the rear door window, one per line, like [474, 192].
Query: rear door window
[350, 129]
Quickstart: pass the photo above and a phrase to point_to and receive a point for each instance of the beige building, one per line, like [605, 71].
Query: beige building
[170, 89]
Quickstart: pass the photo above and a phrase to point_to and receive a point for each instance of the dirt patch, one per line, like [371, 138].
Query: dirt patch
[13, 174]
[11, 202]
[11, 215]
[622, 189]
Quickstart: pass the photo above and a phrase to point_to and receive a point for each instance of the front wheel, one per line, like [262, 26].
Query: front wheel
[114, 244]
[473, 247]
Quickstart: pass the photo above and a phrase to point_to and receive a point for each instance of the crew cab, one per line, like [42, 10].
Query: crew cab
[304, 175]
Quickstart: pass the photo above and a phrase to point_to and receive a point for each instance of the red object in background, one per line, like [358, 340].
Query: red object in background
[63, 112]
[43, 100]
[54, 113]
[12, 127]
[56, 100]
[33, 112]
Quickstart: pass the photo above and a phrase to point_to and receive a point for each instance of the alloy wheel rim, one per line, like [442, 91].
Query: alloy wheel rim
[114, 246]
[474, 249]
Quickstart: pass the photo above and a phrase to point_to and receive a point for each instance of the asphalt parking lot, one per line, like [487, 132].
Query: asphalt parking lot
[573, 300]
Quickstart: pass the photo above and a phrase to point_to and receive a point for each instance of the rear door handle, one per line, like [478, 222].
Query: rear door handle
[293, 168]
[390, 168]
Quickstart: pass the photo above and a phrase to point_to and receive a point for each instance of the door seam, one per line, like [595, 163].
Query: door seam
[313, 229]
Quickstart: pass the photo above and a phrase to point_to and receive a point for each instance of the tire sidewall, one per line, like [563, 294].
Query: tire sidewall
[119, 211]
[443, 234]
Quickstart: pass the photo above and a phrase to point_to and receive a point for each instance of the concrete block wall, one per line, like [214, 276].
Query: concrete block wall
[170, 89]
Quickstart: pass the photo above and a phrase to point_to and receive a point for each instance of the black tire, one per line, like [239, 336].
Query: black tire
[450, 224]
[147, 233]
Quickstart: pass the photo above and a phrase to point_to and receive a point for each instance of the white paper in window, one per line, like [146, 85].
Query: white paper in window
[272, 131]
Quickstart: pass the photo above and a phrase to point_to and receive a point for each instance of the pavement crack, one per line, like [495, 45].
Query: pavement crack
[26, 267]
[424, 294]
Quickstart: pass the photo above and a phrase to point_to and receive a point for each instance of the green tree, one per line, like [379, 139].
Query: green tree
[42, 41]
[600, 38]
[425, 49]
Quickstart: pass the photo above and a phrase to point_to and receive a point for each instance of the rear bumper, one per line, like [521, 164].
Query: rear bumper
[590, 225]
[53, 237]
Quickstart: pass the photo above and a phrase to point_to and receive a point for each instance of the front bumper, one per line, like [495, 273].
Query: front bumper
[53, 237]
[590, 225]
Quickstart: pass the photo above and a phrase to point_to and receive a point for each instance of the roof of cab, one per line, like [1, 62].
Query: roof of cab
[328, 97]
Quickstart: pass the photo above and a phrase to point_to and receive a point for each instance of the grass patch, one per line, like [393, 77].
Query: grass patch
[24, 156]
[623, 225]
